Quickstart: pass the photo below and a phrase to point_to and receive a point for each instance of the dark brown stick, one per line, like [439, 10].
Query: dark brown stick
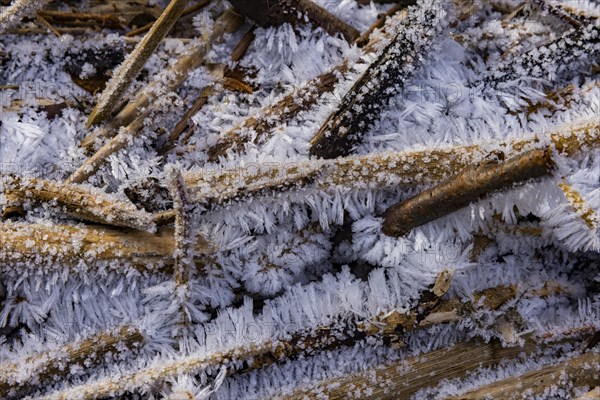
[466, 187]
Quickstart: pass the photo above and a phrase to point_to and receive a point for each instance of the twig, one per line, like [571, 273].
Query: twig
[468, 186]
[73, 359]
[362, 104]
[85, 203]
[267, 12]
[583, 370]
[188, 61]
[69, 245]
[132, 65]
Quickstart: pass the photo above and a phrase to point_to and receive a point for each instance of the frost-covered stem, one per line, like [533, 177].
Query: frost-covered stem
[181, 205]
[363, 103]
[468, 186]
[178, 72]
[39, 245]
[579, 371]
[261, 354]
[18, 10]
[275, 12]
[300, 99]
[581, 207]
[38, 370]
[383, 170]
[400, 380]
[82, 202]
[133, 64]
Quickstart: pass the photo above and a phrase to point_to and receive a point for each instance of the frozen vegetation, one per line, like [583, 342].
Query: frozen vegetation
[323, 199]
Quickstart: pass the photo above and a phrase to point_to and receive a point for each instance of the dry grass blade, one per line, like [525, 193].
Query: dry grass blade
[74, 358]
[81, 202]
[39, 245]
[133, 64]
[583, 370]
[468, 186]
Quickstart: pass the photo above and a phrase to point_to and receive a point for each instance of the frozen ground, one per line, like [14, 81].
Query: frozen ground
[301, 261]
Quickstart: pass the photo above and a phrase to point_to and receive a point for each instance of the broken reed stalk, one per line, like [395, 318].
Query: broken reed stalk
[269, 12]
[377, 171]
[184, 252]
[361, 106]
[580, 371]
[298, 100]
[130, 68]
[39, 370]
[38, 245]
[470, 185]
[81, 202]
[258, 355]
[190, 60]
